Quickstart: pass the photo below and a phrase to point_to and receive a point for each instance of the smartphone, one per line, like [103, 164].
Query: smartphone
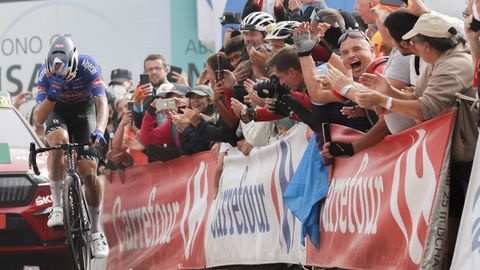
[219, 70]
[130, 105]
[29, 96]
[170, 74]
[130, 108]
[239, 92]
[395, 3]
[166, 104]
[326, 132]
[144, 78]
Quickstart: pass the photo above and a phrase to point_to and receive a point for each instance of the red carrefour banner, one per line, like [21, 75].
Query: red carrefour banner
[387, 207]
[155, 215]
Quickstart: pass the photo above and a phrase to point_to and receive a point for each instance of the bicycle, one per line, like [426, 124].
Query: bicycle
[75, 211]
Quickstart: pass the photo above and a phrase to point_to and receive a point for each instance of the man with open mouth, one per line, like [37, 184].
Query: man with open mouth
[357, 53]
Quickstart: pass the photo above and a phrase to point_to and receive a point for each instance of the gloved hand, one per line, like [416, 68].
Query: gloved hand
[57, 86]
[304, 43]
[97, 137]
[142, 92]
[278, 106]
[340, 149]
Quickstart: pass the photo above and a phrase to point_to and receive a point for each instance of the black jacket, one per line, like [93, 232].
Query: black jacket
[190, 140]
[217, 132]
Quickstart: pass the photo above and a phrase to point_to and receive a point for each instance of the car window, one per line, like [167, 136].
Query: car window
[13, 129]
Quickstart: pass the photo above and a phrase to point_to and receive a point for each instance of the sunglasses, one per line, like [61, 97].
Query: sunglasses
[314, 16]
[414, 40]
[352, 34]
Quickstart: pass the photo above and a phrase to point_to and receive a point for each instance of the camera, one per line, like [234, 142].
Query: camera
[231, 18]
[272, 85]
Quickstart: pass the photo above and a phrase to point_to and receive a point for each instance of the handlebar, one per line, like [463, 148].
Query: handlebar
[32, 157]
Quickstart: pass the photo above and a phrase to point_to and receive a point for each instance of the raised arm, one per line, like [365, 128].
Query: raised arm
[304, 44]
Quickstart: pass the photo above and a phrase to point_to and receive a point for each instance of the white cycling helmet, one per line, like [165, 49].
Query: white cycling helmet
[259, 21]
[282, 30]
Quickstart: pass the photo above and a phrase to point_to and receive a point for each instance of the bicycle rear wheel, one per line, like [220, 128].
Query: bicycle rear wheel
[76, 226]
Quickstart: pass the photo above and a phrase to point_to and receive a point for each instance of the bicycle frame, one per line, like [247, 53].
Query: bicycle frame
[72, 172]
[69, 149]
[72, 191]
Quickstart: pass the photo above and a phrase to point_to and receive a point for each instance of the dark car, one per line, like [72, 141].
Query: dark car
[25, 200]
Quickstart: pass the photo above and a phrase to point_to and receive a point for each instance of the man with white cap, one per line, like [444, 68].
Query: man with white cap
[448, 72]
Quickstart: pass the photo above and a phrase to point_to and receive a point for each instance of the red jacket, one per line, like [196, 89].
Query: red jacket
[163, 134]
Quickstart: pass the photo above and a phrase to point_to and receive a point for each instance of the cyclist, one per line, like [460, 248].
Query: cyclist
[281, 35]
[72, 102]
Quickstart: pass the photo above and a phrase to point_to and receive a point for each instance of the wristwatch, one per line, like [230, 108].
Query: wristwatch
[345, 89]
[389, 103]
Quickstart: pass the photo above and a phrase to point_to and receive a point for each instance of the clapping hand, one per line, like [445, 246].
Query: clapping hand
[377, 82]
[193, 116]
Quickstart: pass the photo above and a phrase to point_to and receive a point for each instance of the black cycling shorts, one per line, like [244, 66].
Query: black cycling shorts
[78, 120]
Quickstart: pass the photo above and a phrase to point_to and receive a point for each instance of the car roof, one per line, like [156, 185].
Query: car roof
[5, 101]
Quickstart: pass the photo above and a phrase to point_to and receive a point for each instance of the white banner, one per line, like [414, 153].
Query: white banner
[467, 248]
[446, 7]
[118, 34]
[249, 221]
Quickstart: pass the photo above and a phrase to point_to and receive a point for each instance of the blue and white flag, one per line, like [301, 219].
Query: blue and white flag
[467, 248]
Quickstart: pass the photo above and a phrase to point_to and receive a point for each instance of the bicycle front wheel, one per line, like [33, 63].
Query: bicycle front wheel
[76, 224]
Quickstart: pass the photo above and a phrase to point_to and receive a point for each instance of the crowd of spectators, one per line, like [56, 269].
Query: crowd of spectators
[380, 70]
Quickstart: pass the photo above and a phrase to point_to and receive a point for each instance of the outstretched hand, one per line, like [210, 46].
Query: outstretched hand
[377, 82]
[416, 8]
[302, 39]
[321, 29]
[370, 99]
[193, 116]
[337, 79]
